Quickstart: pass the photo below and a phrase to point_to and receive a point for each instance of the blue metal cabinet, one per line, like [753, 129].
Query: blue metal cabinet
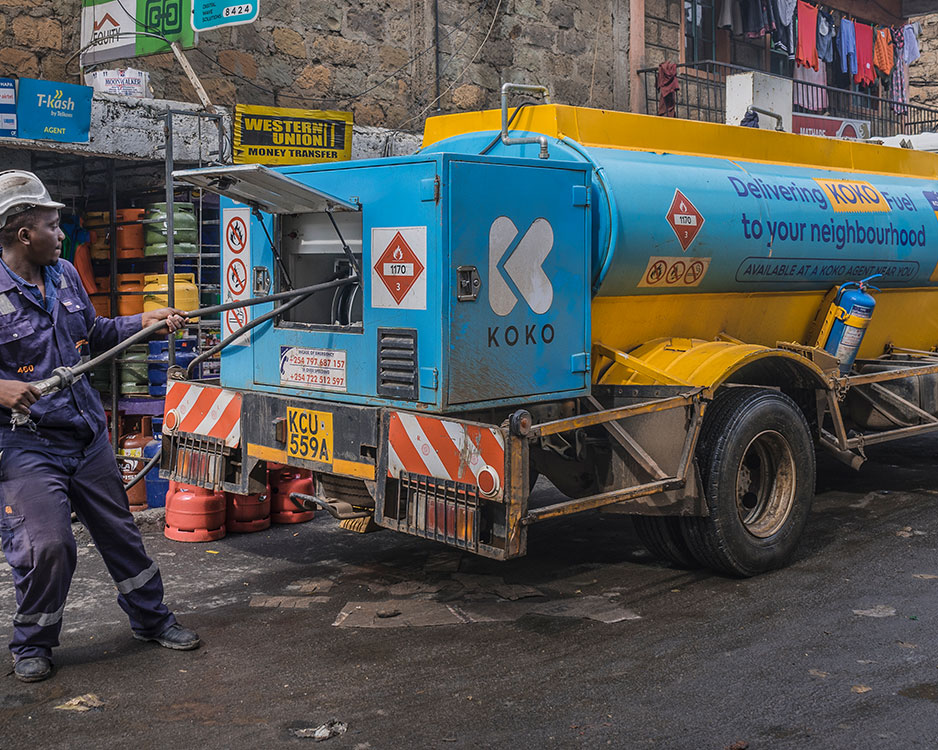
[517, 229]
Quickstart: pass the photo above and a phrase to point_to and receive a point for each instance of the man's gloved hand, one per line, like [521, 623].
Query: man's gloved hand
[173, 318]
[17, 395]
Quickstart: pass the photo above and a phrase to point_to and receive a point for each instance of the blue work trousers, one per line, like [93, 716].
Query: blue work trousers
[38, 491]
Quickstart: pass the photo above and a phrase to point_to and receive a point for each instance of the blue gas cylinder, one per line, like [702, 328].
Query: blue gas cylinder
[158, 361]
[849, 316]
[156, 487]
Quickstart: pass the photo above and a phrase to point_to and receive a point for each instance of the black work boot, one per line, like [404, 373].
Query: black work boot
[175, 636]
[33, 669]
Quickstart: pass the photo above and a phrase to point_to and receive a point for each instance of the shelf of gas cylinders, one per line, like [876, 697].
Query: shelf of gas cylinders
[154, 257]
[138, 406]
[138, 270]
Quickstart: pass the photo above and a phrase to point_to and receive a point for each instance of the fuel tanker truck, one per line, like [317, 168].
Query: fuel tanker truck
[665, 318]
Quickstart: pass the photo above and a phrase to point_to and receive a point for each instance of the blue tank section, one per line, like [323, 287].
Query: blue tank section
[672, 223]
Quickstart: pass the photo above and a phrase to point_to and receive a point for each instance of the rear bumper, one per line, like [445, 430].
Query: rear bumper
[459, 482]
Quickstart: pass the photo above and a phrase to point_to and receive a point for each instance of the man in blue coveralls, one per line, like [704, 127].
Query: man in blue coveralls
[62, 461]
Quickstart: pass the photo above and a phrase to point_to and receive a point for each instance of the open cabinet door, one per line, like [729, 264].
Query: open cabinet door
[266, 189]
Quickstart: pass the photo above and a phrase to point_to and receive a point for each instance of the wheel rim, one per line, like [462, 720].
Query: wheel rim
[765, 484]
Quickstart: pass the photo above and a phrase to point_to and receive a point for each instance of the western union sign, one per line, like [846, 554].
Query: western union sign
[276, 135]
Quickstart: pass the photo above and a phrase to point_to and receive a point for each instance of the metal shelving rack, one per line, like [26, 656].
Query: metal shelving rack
[81, 177]
[222, 156]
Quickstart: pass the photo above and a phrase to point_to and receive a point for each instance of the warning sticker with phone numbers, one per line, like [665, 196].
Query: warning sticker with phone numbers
[321, 369]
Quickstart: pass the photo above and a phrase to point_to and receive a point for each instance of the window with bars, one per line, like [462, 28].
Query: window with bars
[699, 30]
[703, 40]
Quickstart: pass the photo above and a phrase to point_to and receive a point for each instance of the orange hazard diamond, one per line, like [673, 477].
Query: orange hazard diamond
[684, 219]
[398, 267]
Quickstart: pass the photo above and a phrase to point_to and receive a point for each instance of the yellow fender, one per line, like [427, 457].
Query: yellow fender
[693, 362]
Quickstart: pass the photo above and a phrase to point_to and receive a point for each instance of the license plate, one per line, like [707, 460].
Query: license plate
[309, 435]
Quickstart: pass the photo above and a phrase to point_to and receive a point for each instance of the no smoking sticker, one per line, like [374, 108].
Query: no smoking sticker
[674, 272]
[237, 276]
[235, 319]
[236, 256]
[236, 234]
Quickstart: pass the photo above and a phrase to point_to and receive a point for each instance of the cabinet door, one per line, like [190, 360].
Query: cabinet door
[525, 229]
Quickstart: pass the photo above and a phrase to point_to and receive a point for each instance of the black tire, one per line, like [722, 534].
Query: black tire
[757, 467]
[663, 538]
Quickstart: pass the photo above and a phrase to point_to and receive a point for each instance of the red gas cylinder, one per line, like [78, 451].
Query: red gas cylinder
[131, 463]
[247, 512]
[194, 514]
[280, 483]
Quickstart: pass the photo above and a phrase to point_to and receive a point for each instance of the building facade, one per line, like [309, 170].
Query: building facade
[394, 62]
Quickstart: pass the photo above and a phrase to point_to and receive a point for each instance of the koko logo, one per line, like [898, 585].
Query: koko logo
[522, 266]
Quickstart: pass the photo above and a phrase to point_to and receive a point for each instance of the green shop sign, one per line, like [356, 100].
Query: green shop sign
[120, 29]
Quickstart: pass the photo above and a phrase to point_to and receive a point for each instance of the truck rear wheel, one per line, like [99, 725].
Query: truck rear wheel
[662, 536]
[756, 460]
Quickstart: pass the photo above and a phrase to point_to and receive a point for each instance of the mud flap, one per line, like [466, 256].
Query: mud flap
[461, 483]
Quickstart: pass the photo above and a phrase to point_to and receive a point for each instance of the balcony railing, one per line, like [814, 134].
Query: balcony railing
[702, 96]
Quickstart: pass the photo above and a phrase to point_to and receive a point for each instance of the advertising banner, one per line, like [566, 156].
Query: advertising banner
[835, 127]
[7, 107]
[277, 135]
[116, 28]
[53, 111]
[213, 14]
[122, 81]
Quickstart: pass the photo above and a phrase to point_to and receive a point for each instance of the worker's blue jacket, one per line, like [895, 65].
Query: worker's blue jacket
[33, 342]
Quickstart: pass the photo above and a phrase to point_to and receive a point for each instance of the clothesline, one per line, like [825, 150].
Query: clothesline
[810, 35]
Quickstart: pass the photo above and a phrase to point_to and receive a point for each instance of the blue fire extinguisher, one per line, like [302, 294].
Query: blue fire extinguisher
[849, 315]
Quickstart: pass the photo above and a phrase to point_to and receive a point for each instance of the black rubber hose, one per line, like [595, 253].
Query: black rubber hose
[242, 330]
[145, 333]
[150, 464]
[62, 377]
[498, 137]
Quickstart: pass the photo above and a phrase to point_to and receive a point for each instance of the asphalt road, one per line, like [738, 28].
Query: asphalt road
[586, 642]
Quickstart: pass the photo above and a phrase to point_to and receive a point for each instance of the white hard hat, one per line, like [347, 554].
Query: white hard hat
[21, 190]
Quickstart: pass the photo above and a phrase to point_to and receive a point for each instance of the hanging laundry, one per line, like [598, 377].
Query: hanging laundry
[811, 98]
[769, 10]
[730, 17]
[912, 51]
[847, 47]
[690, 11]
[807, 35]
[883, 54]
[667, 84]
[755, 18]
[897, 91]
[864, 36]
[825, 36]
[784, 35]
[750, 119]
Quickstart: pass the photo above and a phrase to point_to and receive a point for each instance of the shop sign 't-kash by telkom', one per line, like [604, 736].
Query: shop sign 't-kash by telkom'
[53, 111]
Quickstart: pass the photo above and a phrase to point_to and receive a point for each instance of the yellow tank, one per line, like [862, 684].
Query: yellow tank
[156, 291]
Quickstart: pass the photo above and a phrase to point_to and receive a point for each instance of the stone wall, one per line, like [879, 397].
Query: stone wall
[923, 73]
[374, 57]
[37, 37]
[662, 31]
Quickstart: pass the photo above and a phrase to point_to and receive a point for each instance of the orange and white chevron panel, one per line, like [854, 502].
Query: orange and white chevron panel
[203, 410]
[433, 447]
